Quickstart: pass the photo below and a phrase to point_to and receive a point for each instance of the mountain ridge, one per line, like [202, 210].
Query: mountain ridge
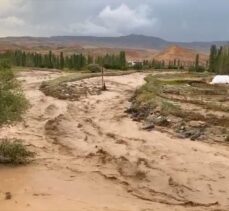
[133, 41]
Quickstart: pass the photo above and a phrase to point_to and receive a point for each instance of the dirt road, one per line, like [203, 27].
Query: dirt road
[92, 156]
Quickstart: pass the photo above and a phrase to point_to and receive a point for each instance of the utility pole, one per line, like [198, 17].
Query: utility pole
[104, 88]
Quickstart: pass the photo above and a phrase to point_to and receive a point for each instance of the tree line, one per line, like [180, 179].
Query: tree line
[219, 59]
[156, 64]
[73, 62]
[113, 61]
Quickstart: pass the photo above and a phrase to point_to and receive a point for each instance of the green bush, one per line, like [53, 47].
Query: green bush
[12, 101]
[94, 68]
[12, 106]
[14, 152]
[7, 80]
[5, 64]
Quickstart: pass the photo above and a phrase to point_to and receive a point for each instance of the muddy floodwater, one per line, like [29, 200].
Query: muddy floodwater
[90, 155]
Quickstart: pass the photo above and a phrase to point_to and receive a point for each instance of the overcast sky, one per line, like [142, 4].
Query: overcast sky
[174, 20]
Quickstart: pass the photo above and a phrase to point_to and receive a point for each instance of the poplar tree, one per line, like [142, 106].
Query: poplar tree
[197, 61]
[61, 60]
[212, 58]
[122, 57]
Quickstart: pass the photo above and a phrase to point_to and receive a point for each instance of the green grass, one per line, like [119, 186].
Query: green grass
[14, 152]
[168, 108]
[167, 93]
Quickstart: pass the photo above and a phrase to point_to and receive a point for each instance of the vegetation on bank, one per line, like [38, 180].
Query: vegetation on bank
[12, 101]
[169, 100]
[14, 152]
[12, 105]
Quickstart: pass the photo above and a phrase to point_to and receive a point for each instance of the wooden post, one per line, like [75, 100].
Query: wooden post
[103, 82]
[102, 76]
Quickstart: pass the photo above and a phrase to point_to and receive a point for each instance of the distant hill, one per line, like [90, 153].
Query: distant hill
[179, 53]
[131, 41]
[135, 41]
[137, 47]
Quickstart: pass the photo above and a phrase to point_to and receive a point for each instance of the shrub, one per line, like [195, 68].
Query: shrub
[94, 68]
[5, 64]
[12, 101]
[7, 80]
[12, 106]
[13, 152]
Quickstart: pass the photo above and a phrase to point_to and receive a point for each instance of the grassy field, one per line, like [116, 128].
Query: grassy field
[187, 103]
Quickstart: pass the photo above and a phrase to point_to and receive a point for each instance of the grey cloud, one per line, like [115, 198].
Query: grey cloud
[180, 20]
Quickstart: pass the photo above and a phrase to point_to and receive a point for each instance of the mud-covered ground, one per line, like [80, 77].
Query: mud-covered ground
[184, 104]
[90, 155]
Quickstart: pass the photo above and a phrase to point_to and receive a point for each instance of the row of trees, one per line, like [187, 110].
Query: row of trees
[113, 61]
[219, 59]
[156, 64]
[196, 66]
[75, 61]
[80, 61]
[50, 60]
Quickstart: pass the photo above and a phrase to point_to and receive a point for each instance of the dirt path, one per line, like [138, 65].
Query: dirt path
[92, 156]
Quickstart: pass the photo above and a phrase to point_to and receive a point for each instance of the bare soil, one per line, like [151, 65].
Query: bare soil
[91, 156]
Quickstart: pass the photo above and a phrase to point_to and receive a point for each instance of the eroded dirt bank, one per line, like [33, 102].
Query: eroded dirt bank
[92, 156]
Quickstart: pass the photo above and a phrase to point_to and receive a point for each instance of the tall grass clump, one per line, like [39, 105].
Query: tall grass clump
[14, 152]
